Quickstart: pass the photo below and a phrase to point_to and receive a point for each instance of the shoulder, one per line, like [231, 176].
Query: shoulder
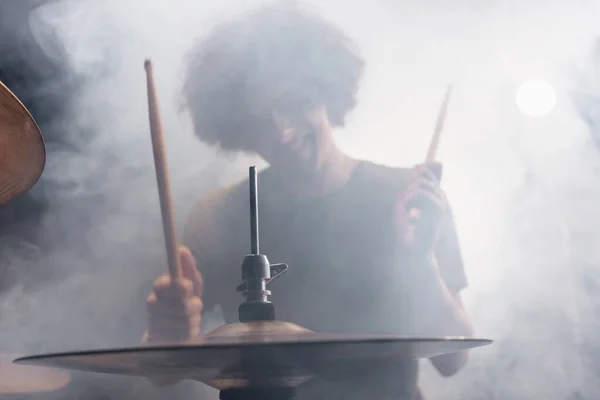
[213, 218]
[215, 202]
[383, 176]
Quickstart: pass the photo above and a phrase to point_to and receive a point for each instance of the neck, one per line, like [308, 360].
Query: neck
[329, 177]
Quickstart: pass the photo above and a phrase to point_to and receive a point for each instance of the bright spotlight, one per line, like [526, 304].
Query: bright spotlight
[536, 97]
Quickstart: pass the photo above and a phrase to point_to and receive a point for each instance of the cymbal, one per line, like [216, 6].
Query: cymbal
[20, 379]
[22, 149]
[259, 353]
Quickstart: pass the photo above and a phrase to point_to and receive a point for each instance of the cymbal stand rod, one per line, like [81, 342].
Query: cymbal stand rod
[257, 272]
[254, 238]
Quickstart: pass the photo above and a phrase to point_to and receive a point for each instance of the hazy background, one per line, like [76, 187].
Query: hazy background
[525, 190]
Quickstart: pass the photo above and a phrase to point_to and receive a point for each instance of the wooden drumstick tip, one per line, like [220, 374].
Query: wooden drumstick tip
[148, 64]
[439, 126]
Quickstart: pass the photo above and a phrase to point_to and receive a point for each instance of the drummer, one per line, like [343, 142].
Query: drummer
[371, 248]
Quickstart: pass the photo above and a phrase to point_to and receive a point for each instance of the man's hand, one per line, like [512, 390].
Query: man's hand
[175, 307]
[419, 213]
[420, 210]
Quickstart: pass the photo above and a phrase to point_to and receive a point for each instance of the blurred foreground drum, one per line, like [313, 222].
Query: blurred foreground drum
[22, 379]
[22, 150]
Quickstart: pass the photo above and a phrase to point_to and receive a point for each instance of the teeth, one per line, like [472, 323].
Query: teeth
[288, 135]
[293, 138]
[297, 141]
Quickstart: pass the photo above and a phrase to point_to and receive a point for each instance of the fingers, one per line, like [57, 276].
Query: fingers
[190, 284]
[421, 206]
[172, 318]
[163, 330]
[423, 184]
[424, 193]
[189, 270]
[175, 306]
[429, 171]
[425, 201]
[436, 170]
[165, 288]
[422, 179]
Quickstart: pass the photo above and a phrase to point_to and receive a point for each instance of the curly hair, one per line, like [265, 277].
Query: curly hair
[277, 56]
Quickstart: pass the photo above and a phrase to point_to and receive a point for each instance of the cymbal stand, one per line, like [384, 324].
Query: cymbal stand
[257, 274]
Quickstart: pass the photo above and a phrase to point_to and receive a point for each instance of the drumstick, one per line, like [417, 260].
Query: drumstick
[439, 126]
[162, 176]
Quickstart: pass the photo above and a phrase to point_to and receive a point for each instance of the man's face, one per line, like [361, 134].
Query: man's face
[293, 139]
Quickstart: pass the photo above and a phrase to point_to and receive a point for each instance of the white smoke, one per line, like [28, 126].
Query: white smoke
[523, 189]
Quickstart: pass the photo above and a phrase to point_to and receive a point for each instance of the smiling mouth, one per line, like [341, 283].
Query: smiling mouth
[303, 144]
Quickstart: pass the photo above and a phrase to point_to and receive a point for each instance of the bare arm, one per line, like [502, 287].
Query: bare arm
[441, 313]
[450, 364]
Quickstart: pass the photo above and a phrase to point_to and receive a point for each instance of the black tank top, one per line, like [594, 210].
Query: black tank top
[344, 274]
